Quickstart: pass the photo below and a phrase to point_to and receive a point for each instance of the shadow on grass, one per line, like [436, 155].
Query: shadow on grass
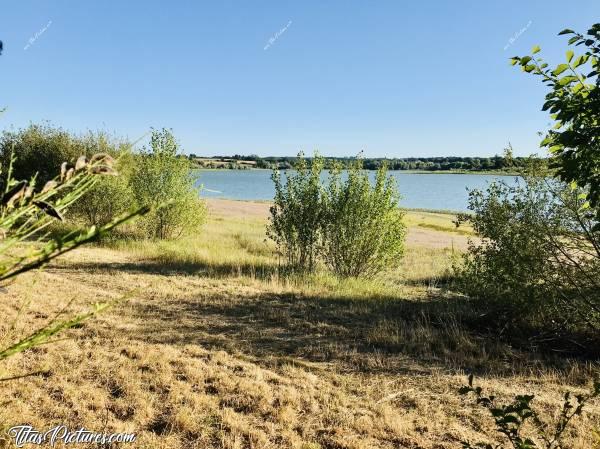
[384, 334]
[173, 267]
[387, 335]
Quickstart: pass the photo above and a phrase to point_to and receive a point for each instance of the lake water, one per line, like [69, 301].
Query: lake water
[426, 191]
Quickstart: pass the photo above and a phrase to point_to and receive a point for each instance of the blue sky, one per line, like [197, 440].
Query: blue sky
[393, 78]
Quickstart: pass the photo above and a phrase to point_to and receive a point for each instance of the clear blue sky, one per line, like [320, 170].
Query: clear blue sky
[394, 78]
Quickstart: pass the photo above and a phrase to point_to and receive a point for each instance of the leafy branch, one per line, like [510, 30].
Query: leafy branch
[510, 419]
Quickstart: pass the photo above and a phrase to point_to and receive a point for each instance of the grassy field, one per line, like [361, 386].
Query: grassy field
[214, 350]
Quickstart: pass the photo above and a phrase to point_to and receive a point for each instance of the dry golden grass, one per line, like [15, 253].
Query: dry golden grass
[215, 351]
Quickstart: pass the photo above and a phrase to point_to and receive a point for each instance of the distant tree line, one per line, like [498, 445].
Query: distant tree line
[448, 163]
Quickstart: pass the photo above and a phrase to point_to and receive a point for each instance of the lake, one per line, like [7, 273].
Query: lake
[418, 190]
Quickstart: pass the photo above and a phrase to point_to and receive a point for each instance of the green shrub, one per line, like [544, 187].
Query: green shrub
[363, 232]
[539, 258]
[110, 196]
[160, 175]
[39, 150]
[297, 214]
[352, 227]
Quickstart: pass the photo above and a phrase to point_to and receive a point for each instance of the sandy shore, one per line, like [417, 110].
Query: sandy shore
[417, 236]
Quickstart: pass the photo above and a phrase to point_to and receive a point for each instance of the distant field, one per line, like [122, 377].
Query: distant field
[223, 163]
[216, 351]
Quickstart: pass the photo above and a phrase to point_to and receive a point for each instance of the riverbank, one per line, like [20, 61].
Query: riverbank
[214, 350]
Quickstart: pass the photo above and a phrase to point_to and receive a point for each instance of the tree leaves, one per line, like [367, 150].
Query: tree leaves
[570, 54]
[560, 69]
[574, 102]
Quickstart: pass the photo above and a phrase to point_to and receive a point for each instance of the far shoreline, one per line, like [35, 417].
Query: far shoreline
[409, 172]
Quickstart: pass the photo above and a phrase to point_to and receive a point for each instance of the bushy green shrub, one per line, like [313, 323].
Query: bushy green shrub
[539, 258]
[297, 214]
[160, 175]
[351, 226]
[110, 196]
[152, 177]
[363, 232]
[40, 150]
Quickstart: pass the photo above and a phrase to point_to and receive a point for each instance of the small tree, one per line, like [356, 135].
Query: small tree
[363, 232]
[160, 175]
[297, 213]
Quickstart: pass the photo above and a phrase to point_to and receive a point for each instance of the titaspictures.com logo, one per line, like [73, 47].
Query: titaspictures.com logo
[26, 434]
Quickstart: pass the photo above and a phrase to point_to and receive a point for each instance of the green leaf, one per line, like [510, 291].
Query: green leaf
[566, 80]
[570, 54]
[560, 69]
[566, 31]
[525, 60]
[535, 49]
[580, 60]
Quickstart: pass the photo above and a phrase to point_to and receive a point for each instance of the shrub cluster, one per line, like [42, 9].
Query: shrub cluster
[151, 177]
[539, 260]
[352, 226]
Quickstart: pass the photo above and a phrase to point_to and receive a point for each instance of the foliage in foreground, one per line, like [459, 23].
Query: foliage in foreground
[511, 419]
[159, 175]
[574, 104]
[24, 215]
[353, 227]
[539, 261]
